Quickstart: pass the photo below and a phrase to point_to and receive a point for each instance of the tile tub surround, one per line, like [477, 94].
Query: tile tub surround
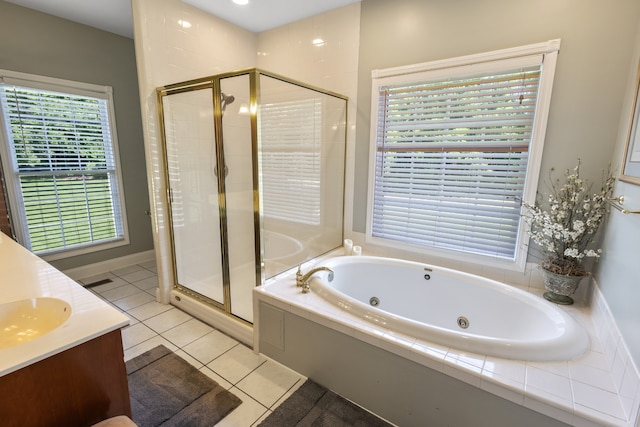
[599, 388]
[24, 275]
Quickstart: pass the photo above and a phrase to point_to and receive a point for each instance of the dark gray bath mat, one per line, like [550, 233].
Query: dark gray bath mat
[166, 390]
[314, 405]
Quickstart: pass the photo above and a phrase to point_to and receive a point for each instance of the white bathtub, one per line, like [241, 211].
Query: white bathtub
[281, 252]
[436, 304]
[281, 248]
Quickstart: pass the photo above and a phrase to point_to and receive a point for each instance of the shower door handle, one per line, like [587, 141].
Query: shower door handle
[226, 170]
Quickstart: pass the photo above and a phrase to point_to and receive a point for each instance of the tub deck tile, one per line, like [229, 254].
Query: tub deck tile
[464, 367]
[428, 356]
[597, 399]
[588, 375]
[542, 382]
[586, 415]
[565, 390]
[553, 406]
[504, 387]
[513, 370]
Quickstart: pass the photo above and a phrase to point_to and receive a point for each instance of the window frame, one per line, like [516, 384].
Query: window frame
[458, 67]
[12, 175]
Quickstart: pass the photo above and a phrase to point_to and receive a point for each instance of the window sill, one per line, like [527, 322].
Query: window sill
[83, 250]
[388, 245]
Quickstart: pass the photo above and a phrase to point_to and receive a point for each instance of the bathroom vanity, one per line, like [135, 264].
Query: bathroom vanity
[61, 356]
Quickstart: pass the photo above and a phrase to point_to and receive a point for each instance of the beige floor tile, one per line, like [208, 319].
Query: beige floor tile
[148, 310]
[147, 283]
[136, 334]
[269, 382]
[185, 356]
[149, 265]
[116, 282]
[167, 320]
[119, 292]
[132, 320]
[187, 332]
[245, 415]
[217, 378]
[210, 346]
[126, 270]
[138, 275]
[133, 301]
[147, 345]
[289, 392]
[236, 363]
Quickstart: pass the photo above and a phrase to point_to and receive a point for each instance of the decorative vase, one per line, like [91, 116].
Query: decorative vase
[560, 287]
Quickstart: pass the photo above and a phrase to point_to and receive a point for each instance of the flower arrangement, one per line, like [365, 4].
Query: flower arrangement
[567, 229]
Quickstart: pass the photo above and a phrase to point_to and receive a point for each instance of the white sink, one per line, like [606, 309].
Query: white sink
[27, 319]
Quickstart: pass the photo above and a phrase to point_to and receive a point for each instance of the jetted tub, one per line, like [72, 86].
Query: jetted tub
[281, 252]
[451, 308]
[281, 248]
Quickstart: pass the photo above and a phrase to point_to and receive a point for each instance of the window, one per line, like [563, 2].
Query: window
[456, 148]
[291, 138]
[60, 160]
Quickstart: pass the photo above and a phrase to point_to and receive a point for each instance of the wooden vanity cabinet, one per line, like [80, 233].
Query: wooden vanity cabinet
[75, 388]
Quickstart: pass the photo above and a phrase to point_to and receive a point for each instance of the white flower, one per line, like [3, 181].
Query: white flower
[571, 252]
[568, 228]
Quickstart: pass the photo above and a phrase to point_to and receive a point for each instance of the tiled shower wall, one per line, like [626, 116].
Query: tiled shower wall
[167, 52]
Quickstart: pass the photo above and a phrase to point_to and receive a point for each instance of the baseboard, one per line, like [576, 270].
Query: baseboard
[219, 320]
[102, 267]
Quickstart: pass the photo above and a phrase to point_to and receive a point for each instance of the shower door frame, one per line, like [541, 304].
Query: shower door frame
[213, 83]
[260, 267]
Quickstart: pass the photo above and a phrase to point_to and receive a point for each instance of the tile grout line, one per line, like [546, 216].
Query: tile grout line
[278, 402]
[249, 373]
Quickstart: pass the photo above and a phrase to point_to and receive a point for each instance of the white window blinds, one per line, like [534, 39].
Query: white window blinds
[451, 158]
[64, 167]
[291, 137]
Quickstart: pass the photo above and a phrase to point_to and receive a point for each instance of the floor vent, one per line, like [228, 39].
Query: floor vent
[99, 282]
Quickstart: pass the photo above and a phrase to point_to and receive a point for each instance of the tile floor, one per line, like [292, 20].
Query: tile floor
[262, 384]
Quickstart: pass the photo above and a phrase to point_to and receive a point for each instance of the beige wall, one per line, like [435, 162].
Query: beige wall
[619, 270]
[37, 43]
[597, 39]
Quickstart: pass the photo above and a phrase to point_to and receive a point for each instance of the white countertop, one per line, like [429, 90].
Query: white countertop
[24, 275]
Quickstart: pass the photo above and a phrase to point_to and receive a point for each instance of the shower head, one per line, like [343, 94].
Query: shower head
[226, 100]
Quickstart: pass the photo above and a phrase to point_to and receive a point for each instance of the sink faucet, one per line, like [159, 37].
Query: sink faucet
[303, 280]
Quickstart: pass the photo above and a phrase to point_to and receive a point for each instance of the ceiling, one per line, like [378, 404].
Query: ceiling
[115, 15]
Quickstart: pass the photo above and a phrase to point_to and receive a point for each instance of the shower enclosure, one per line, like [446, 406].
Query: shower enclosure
[254, 174]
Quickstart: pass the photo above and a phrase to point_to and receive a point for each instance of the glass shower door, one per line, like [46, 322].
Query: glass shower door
[255, 175]
[193, 192]
[237, 147]
[302, 156]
